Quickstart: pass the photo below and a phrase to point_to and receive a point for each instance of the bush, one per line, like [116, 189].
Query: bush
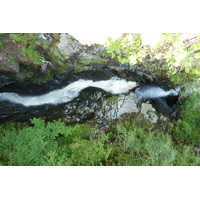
[37, 144]
[127, 49]
[56, 144]
[51, 143]
[147, 148]
[187, 128]
[90, 152]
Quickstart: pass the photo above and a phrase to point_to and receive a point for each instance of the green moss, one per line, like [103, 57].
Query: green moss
[88, 61]
[1, 43]
[33, 54]
[56, 56]
[19, 37]
[45, 44]
[112, 99]
[23, 37]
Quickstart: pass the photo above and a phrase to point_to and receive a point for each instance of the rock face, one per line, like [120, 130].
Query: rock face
[67, 46]
[38, 57]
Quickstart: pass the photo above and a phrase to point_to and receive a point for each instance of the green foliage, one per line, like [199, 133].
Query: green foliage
[90, 152]
[187, 128]
[182, 60]
[51, 143]
[155, 148]
[29, 145]
[55, 144]
[187, 157]
[182, 67]
[147, 148]
[128, 49]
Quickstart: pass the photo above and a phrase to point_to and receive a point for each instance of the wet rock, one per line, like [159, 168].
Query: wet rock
[124, 107]
[5, 80]
[116, 106]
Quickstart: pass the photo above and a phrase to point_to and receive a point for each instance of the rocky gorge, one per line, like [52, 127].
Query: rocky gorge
[25, 75]
[54, 76]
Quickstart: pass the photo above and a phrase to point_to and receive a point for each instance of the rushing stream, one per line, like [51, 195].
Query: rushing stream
[115, 86]
[78, 97]
[154, 92]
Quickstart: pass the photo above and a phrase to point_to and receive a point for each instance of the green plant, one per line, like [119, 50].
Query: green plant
[54, 144]
[29, 145]
[37, 144]
[186, 156]
[127, 50]
[90, 152]
[147, 148]
[51, 143]
[182, 61]
[187, 128]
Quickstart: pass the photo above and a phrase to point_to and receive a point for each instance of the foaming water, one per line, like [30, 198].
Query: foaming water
[154, 91]
[68, 93]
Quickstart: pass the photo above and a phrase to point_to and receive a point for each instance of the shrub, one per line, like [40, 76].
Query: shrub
[127, 49]
[51, 143]
[37, 144]
[90, 152]
[187, 128]
[148, 148]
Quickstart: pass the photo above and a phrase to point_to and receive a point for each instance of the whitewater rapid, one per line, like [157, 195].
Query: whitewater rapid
[114, 85]
[154, 92]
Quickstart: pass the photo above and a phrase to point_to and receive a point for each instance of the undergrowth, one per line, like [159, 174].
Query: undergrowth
[55, 144]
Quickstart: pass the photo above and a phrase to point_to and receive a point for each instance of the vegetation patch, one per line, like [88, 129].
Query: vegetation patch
[54, 143]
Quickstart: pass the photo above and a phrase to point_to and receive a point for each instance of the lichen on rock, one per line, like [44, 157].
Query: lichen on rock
[149, 112]
[67, 46]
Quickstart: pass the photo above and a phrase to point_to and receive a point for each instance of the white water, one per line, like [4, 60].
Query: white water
[68, 93]
[153, 92]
